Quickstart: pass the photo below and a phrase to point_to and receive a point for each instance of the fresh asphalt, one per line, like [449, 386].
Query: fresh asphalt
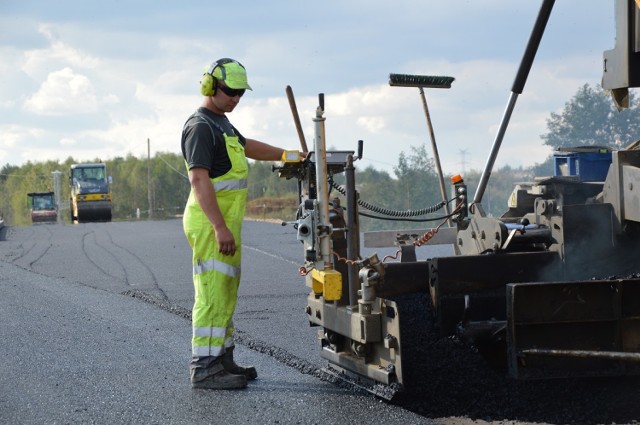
[95, 328]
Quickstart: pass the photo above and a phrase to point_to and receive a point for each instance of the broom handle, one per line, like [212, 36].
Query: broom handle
[436, 156]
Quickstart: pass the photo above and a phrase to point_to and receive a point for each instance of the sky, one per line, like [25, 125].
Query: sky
[92, 79]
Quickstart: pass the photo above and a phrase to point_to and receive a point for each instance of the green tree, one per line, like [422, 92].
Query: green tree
[545, 168]
[263, 181]
[590, 119]
[5, 194]
[376, 188]
[417, 179]
[499, 188]
[415, 187]
[170, 185]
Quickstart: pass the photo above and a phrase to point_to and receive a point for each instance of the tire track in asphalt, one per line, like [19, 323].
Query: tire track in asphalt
[100, 265]
[21, 246]
[144, 265]
[133, 270]
[40, 243]
[34, 246]
[25, 247]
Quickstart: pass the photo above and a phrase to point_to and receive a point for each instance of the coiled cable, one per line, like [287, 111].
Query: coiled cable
[390, 212]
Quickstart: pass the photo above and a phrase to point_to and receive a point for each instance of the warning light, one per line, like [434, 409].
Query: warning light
[456, 179]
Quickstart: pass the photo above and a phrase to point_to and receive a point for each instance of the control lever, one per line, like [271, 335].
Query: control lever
[524, 223]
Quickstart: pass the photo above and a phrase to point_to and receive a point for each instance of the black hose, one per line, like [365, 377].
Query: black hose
[390, 212]
[416, 220]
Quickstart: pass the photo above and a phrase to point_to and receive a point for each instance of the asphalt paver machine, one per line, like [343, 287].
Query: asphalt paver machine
[549, 289]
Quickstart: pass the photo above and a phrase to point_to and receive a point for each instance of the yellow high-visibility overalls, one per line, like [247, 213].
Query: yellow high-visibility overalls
[216, 277]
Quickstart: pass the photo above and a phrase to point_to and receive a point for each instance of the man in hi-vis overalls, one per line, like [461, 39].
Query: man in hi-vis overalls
[216, 156]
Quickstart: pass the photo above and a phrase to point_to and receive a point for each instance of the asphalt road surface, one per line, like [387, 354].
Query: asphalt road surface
[95, 328]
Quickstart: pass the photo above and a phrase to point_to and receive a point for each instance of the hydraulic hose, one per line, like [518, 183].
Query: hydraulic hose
[390, 212]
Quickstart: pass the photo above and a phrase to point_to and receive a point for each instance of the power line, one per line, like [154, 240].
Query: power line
[24, 175]
[171, 166]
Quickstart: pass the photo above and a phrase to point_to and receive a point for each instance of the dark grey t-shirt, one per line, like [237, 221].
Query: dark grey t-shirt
[203, 144]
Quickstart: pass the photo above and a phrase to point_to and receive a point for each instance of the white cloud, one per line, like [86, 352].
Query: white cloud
[111, 99]
[64, 92]
[65, 141]
[372, 124]
[143, 80]
[13, 139]
[38, 62]
[7, 104]
[16, 136]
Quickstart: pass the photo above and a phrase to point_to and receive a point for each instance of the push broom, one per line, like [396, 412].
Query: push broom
[429, 81]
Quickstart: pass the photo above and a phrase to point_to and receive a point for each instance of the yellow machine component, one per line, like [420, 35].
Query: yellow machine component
[290, 156]
[327, 283]
[290, 164]
[94, 197]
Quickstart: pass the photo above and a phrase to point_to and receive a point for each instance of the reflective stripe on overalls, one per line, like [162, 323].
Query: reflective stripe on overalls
[216, 277]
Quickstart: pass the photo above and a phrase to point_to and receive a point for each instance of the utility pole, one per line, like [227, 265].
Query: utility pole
[149, 195]
[56, 193]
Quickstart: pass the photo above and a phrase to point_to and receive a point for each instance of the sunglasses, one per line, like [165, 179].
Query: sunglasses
[231, 92]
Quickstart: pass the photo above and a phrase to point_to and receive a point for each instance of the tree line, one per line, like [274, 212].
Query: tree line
[159, 187]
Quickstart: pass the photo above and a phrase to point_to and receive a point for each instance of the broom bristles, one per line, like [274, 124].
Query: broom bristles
[406, 80]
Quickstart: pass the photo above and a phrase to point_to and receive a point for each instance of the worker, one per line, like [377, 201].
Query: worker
[216, 156]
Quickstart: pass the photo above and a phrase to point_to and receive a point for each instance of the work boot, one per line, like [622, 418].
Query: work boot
[216, 378]
[230, 366]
